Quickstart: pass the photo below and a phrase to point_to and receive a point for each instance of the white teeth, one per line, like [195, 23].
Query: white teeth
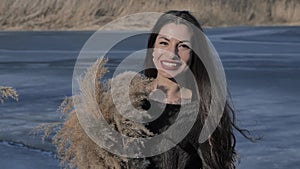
[169, 64]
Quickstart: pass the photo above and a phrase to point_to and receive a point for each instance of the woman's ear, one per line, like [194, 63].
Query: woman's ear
[154, 53]
[153, 56]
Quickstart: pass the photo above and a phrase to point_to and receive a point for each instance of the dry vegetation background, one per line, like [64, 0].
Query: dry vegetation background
[92, 14]
[7, 92]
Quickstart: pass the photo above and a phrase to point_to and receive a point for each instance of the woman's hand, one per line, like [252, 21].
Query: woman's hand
[174, 94]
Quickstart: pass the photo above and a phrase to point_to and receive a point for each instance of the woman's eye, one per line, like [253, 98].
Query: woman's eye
[184, 46]
[163, 43]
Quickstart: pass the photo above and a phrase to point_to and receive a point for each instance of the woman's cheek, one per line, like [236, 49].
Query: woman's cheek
[157, 52]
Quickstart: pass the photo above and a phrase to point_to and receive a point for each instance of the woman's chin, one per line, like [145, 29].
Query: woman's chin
[168, 74]
[172, 73]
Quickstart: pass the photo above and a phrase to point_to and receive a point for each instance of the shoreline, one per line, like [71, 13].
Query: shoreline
[138, 29]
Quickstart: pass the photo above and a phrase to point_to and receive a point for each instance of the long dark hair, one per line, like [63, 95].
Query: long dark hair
[219, 150]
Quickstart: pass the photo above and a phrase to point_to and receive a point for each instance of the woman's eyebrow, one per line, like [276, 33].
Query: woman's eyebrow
[163, 37]
[182, 41]
[167, 39]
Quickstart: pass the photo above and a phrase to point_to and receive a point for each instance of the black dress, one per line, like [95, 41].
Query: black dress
[184, 155]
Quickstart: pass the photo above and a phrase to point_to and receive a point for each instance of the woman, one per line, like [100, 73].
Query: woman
[176, 79]
[171, 50]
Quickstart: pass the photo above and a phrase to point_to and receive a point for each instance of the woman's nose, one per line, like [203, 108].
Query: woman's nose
[172, 51]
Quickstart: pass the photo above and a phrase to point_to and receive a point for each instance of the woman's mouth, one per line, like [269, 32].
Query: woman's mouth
[170, 65]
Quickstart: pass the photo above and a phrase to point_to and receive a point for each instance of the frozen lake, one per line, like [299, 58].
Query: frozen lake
[262, 66]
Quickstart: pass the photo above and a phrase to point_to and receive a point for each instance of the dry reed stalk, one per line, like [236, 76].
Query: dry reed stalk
[75, 148]
[8, 92]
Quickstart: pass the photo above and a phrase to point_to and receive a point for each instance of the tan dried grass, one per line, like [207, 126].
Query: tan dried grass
[75, 148]
[8, 92]
[92, 14]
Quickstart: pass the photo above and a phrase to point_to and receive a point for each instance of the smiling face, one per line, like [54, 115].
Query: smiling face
[172, 50]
